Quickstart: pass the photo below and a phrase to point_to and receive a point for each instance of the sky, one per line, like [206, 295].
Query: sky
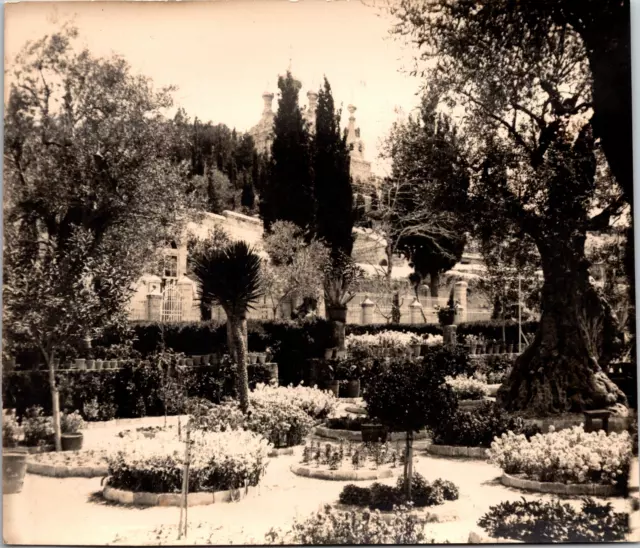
[223, 55]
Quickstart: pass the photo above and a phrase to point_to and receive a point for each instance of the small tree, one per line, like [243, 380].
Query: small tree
[408, 397]
[232, 278]
[295, 267]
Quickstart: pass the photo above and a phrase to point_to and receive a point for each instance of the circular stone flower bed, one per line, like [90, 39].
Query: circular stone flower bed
[147, 469]
[349, 462]
[458, 451]
[174, 499]
[68, 464]
[576, 489]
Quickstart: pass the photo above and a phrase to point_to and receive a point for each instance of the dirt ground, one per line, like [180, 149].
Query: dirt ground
[71, 511]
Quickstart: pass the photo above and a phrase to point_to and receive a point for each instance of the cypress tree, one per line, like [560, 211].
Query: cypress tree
[288, 192]
[248, 198]
[333, 189]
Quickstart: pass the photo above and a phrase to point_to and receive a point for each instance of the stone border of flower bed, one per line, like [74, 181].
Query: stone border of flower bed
[174, 499]
[468, 405]
[59, 471]
[458, 451]
[281, 451]
[578, 489]
[355, 409]
[433, 514]
[341, 475]
[356, 436]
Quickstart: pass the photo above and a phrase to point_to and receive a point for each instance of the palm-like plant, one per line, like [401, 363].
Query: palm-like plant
[231, 277]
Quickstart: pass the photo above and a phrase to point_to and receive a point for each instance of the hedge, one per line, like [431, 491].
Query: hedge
[292, 343]
[129, 392]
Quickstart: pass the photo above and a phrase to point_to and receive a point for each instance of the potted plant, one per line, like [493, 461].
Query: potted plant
[81, 364]
[416, 345]
[472, 340]
[348, 371]
[70, 426]
[99, 365]
[261, 357]
[14, 462]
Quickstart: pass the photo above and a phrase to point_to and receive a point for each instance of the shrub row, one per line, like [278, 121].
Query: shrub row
[292, 343]
[129, 392]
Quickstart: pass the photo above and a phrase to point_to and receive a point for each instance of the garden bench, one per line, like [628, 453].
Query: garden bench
[590, 416]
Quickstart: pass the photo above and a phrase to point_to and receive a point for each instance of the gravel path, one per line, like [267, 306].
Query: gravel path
[71, 511]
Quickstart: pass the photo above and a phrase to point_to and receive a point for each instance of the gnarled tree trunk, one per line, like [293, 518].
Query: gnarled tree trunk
[561, 371]
[337, 316]
[434, 284]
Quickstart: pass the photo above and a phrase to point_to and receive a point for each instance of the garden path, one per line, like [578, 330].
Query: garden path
[71, 511]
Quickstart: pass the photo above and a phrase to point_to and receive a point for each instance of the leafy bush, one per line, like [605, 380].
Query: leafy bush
[386, 497]
[468, 388]
[448, 362]
[11, 430]
[567, 456]
[478, 427]
[347, 423]
[333, 527]
[544, 522]
[37, 428]
[219, 462]
[493, 368]
[71, 423]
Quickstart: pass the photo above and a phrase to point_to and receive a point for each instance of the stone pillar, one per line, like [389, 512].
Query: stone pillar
[154, 307]
[186, 291]
[460, 296]
[449, 336]
[367, 311]
[415, 311]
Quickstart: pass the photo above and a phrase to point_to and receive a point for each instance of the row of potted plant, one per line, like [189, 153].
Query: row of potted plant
[90, 364]
[478, 345]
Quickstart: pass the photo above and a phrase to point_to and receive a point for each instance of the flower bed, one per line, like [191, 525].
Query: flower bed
[349, 461]
[573, 489]
[568, 456]
[386, 497]
[282, 423]
[219, 462]
[88, 464]
[315, 403]
[468, 388]
[478, 427]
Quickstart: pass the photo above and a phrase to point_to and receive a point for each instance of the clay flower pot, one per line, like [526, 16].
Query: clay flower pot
[353, 389]
[81, 364]
[14, 468]
[71, 442]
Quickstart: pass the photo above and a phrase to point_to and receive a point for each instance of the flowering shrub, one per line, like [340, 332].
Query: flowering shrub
[333, 527]
[316, 403]
[478, 427]
[544, 522]
[386, 497]
[71, 423]
[398, 340]
[282, 423]
[567, 456]
[37, 428]
[468, 388]
[11, 430]
[219, 461]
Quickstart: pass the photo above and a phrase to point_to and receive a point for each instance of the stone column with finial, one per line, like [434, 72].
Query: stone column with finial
[367, 311]
[415, 311]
